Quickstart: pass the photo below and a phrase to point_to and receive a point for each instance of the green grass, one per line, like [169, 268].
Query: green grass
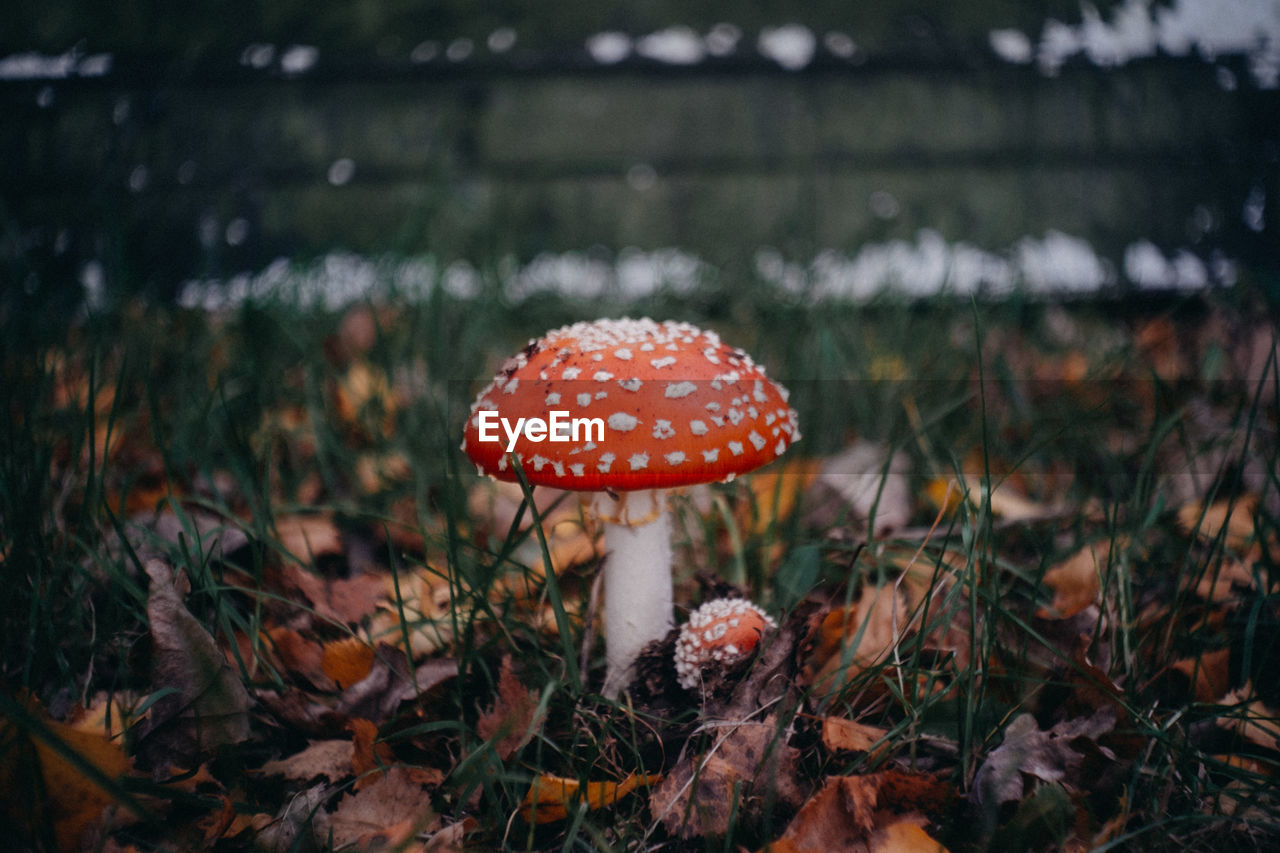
[183, 411]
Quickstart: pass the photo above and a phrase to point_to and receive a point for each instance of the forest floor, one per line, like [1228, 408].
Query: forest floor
[1023, 567]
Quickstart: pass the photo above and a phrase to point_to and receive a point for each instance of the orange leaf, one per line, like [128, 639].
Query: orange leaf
[551, 797]
[367, 755]
[1231, 518]
[1207, 674]
[845, 735]
[904, 836]
[68, 799]
[1076, 582]
[347, 661]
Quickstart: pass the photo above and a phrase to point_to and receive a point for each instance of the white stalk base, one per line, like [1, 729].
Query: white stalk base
[637, 593]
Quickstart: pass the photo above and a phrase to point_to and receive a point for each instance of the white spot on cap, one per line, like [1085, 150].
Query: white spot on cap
[665, 361]
[510, 387]
[757, 440]
[606, 462]
[584, 399]
[538, 462]
[622, 422]
[624, 354]
[676, 390]
[781, 448]
[571, 373]
[736, 448]
[639, 461]
[632, 384]
[662, 429]
[558, 467]
[711, 455]
[675, 457]
[578, 469]
[698, 427]
[759, 394]
[553, 399]
[602, 376]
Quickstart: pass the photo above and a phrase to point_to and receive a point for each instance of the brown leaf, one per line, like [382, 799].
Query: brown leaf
[861, 813]
[1046, 755]
[513, 717]
[65, 798]
[330, 759]
[1251, 718]
[849, 640]
[346, 601]
[385, 813]
[347, 661]
[840, 735]
[209, 706]
[300, 656]
[857, 483]
[305, 537]
[1231, 518]
[550, 798]
[746, 765]
[1208, 674]
[1076, 582]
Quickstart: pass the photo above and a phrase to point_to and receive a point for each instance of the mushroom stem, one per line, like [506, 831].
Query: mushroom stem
[637, 590]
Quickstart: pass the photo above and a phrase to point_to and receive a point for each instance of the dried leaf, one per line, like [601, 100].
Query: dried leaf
[1231, 518]
[1208, 674]
[513, 717]
[209, 706]
[306, 537]
[68, 800]
[747, 765]
[386, 812]
[300, 656]
[367, 754]
[904, 836]
[1251, 718]
[550, 798]
[849, 640]
[329, 759]
[347, 661]
[1046, 755]
[840, 735]
[866, 813]
[1076, 582]
[857, 483]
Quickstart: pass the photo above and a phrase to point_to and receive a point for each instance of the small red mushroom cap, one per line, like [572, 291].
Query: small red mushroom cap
[720, 633]
[677, 407]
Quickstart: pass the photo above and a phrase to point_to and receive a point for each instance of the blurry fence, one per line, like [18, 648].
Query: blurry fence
[166, 179]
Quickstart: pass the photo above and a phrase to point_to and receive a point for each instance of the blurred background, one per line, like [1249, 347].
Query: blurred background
[205, 151]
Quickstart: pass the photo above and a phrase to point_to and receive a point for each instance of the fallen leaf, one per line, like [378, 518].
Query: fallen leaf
[513, 717]
[328, 759]
[306, 537]
[1045, 755]
[66, 798]
[1230, 518]
[849, 640]
[868, 482]
[1077, 581]
[208, 705]
[904, 836]
[840, 735]
[1251, 718]
[368, 755]
[1208, 674]
[747, 766]
[867, 812]
[385, 813]
[550, 798]
[347, 661]
[300, 656]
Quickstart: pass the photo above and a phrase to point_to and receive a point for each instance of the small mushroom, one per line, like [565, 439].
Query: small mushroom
[719, 635]
[647, 407]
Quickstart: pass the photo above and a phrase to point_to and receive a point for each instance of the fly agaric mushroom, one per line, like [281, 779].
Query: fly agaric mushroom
[627, 409]
[719, 635]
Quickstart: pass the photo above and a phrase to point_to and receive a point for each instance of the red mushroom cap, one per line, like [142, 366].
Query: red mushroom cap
[720, 633]
[675, 405]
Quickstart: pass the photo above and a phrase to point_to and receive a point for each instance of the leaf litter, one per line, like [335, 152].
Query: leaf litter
[975, 653]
